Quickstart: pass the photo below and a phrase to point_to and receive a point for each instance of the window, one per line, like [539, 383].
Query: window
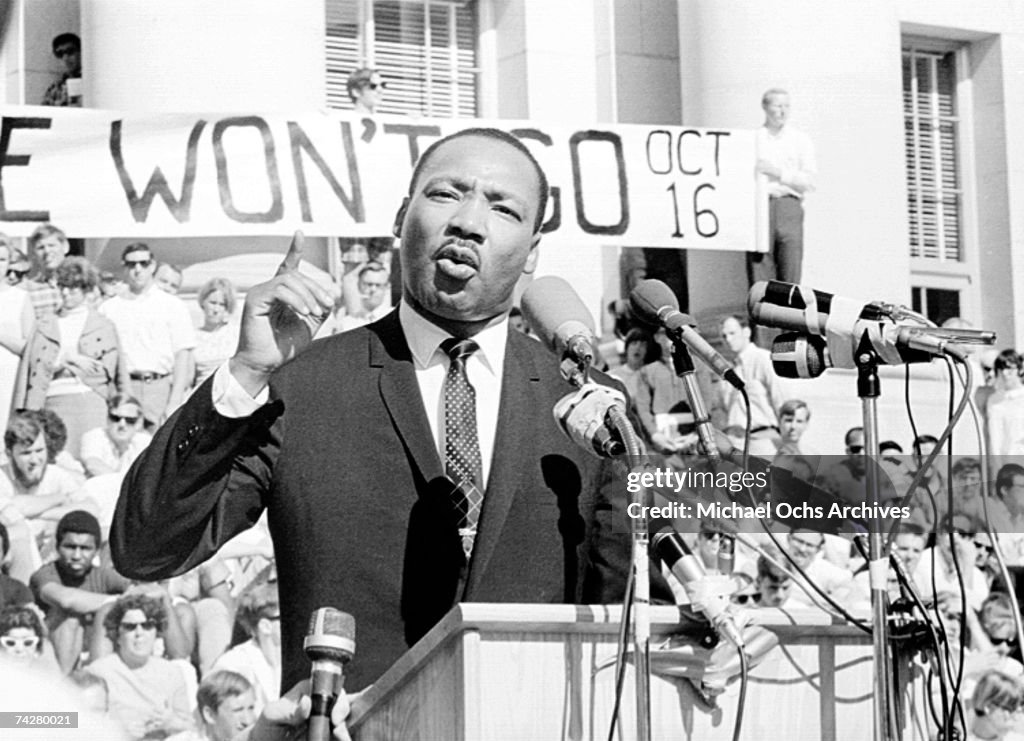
[932, 128]
[938, 304]
[425, 51]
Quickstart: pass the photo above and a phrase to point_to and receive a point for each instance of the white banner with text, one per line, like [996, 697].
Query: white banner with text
[101, 173]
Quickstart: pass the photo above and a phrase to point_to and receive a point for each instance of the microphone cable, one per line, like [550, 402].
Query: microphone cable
[750, 494]
[620, 655]
[742, 699]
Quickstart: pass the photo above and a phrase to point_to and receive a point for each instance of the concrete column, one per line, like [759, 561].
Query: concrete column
[193, 55]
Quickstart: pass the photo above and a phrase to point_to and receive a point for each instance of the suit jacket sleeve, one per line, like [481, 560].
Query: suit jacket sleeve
[201, 481]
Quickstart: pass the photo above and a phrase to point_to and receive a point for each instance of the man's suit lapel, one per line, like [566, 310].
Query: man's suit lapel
[400, 392]
[520, 390]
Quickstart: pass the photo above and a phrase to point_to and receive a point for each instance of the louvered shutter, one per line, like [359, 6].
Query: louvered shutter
[931, 125]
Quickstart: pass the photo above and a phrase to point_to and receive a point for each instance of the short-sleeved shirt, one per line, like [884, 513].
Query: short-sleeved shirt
[152, 326]
[98, 579]
[97, 445]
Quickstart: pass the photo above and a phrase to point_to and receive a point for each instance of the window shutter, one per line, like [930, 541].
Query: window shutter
[932, 157]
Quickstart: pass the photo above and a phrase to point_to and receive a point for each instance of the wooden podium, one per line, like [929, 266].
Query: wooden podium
[515, 672]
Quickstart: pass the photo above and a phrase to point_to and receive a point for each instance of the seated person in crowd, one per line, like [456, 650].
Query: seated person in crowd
[20, 557]
[773, 586]
[115, 446]
[940, 559]
[56, 433]
[205, 608]
[147, 694]
[639, 351]
[806, 546]
[999, 630]
[43, 492]
[907, 546]
[1009, 489]
[13, 593]
[73, 592]
[661, 400]
[169, 277]
[259, 658]
[226, 707]
[22, 638]
[995, 707]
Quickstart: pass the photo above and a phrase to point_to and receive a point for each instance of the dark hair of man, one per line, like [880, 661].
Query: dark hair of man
[358, 79]
[43, 231]
[66, 38]
[1007, 359]
[118, 399]
[54, 430]
[150, 607]
[1006, 475]
[924, 440]
[79, 522]
[371, 267]
[965, 465]
[742, 319]
[501, 136]
[887, 445]
[136, 247]
[22, 429]
[77, 272]
[849, 434]
[790, 407]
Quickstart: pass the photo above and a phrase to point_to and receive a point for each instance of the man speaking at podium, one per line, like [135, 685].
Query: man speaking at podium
[406, 465]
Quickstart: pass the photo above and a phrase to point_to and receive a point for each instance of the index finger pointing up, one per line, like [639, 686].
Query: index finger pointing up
[294, 257]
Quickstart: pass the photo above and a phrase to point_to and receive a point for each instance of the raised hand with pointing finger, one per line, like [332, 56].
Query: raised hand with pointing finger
[279, 320]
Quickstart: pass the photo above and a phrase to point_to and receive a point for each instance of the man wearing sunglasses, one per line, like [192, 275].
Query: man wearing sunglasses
[366, 90]
[67, 47]
[156, 334]
[114, 447]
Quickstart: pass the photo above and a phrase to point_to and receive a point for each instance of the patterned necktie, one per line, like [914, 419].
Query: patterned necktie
[461, 444]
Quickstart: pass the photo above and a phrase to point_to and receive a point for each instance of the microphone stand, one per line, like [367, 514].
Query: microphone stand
[641, 577]
[869, 389]
[577, 372]
[682, 361]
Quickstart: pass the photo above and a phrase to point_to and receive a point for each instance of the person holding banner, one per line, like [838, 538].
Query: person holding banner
[785, 158]
[406, 465]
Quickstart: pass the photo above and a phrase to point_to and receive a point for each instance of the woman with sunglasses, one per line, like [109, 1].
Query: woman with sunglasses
[996, 708]
[16, 321]
[21, 636]
[148, 694]
[73, 362]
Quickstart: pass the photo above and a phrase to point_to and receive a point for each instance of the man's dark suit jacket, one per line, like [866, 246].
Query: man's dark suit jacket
[344, 462]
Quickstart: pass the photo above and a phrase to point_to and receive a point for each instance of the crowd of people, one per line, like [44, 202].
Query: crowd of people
[90, 364]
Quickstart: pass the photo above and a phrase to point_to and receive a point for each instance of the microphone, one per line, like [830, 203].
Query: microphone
[583, 416]
[774, 303]
[556, 313]
[672, 549]
[653, 302]
[837, 330]
[329, 644]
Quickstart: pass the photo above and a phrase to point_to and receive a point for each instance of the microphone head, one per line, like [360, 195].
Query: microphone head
[669, 546]
[555, 312]
[798, 355]
[649, 298]
[331, 635]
